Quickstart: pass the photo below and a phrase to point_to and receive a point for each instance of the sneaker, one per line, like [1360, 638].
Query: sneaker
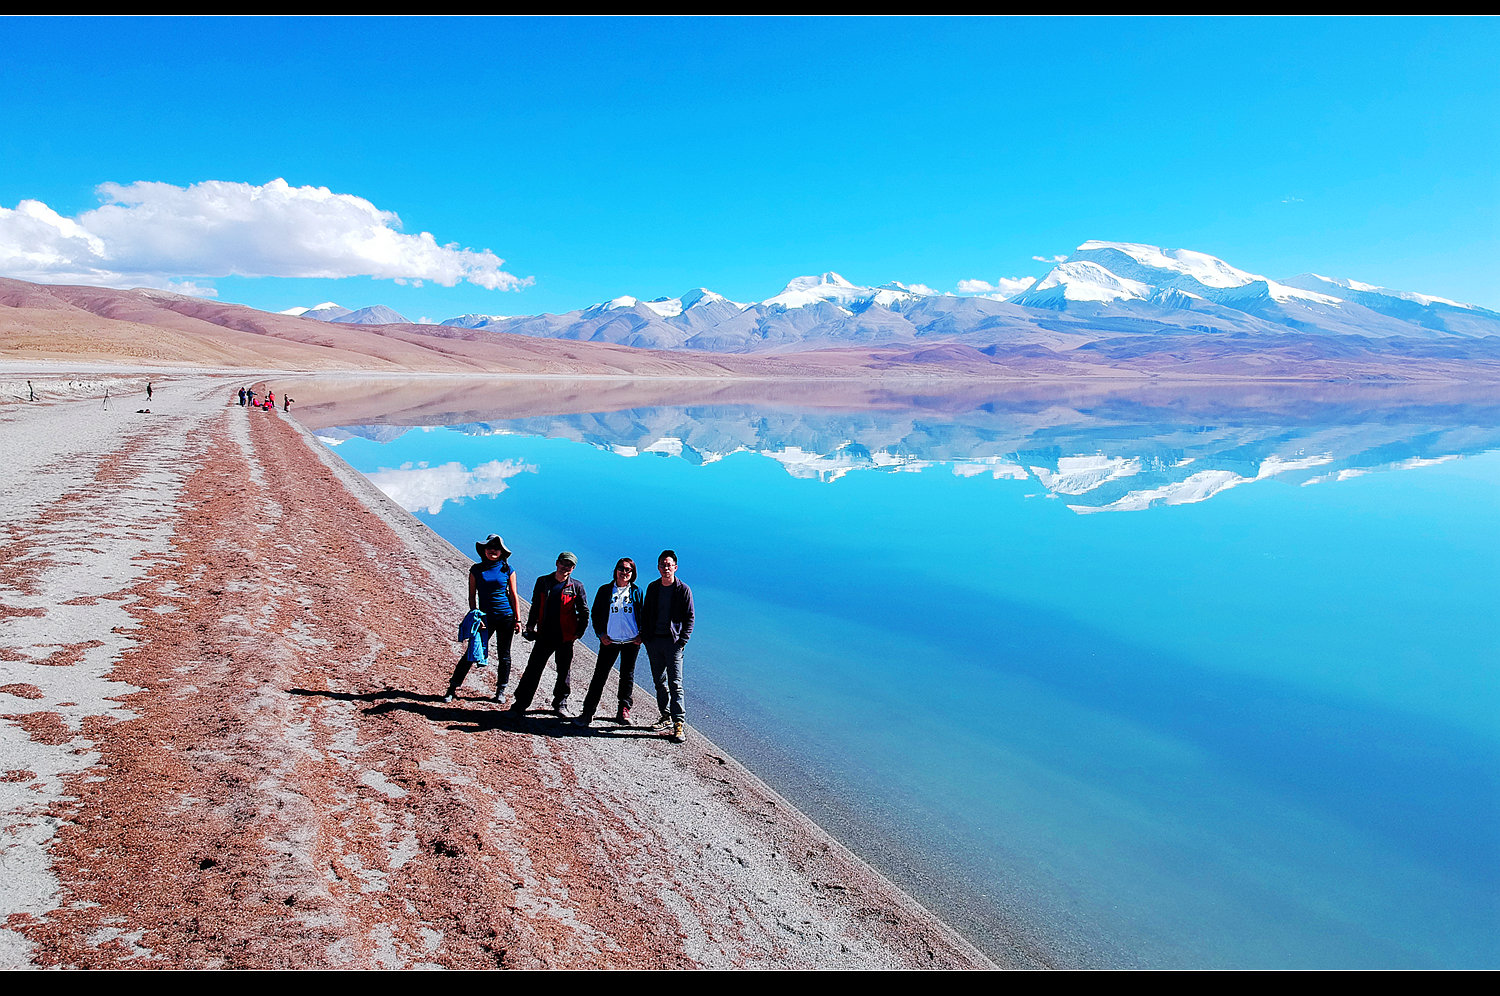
[678, 734]
[448, 697]
[623, 716]
[664, 723]
[561, 708]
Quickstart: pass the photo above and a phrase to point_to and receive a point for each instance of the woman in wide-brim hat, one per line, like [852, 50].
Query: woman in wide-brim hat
[492, 592]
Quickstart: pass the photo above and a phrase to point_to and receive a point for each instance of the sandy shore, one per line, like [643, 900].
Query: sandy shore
[223, 743]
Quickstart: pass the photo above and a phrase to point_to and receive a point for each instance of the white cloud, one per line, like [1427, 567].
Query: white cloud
[419, 486]
[1050, 259]
[1001, 290]
[155, 234]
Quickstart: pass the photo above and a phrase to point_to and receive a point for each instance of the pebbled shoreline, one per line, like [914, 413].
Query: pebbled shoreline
[221, 660]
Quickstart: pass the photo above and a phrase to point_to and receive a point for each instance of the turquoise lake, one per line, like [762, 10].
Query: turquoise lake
[1120, 684]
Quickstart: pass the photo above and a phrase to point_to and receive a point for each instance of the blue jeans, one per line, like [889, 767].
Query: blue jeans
[665, 655]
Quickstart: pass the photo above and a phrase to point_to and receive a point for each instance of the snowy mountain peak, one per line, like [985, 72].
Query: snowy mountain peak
[325, 312]
[666, 307]
[623, 301]
[702, 295]
[1210, 271]
[301, 312]
[1082, 280]
[376, 314]
[829, 279]
[833, 289]
[1343, 288]
[671, 307]
[1194, 273]
[475, 321]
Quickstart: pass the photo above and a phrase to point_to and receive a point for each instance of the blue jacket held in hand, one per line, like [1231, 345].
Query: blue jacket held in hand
[468, 631]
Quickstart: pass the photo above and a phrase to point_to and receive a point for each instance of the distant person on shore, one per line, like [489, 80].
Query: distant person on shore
[616, 616]
[559, 613]
[667, 624]
[492, 593]
[286, 402]
[242, 397]
[148, 390]
[250, 396]
[31, 391]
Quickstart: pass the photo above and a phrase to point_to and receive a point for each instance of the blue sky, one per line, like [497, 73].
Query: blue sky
[601, 157]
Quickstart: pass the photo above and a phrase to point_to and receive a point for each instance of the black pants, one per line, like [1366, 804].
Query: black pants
[545, 647]
[503, 628]
[608, 652]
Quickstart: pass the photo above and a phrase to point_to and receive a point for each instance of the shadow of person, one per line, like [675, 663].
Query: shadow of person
[384, 693]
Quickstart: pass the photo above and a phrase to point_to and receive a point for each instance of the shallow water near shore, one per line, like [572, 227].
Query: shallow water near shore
[1122, 685]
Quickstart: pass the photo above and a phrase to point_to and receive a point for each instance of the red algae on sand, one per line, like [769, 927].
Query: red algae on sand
[264, 775]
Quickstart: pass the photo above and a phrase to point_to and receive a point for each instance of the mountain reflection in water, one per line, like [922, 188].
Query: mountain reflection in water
[1116, 452]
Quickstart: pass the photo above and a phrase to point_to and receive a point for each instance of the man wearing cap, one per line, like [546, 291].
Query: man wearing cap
[558, 616]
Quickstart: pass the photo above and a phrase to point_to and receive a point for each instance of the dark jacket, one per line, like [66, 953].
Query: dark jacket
[601, 608]
[681, 612]
[573, 596]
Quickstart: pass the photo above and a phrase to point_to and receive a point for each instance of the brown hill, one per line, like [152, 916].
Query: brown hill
[140, 326]
[146, 328]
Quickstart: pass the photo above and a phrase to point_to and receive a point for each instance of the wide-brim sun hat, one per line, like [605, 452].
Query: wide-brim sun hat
[493, 539]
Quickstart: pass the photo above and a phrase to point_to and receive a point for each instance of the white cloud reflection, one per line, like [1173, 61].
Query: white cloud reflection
[418, 487]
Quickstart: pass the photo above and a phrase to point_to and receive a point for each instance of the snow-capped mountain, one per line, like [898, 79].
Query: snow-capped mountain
[1408, 306]
[1081, 280]
[1104, 272]
[377, 314]
[474, 321]
[325, 312]
[1195, 273]
[1102, 290]
[700, 297]
[831, 288]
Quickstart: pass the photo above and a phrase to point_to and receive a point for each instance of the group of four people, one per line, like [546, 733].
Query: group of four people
[624, 619]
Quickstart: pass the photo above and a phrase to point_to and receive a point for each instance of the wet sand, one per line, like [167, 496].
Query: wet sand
[222, 655]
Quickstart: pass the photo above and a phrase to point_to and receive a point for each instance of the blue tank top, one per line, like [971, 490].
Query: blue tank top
[492, 582]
